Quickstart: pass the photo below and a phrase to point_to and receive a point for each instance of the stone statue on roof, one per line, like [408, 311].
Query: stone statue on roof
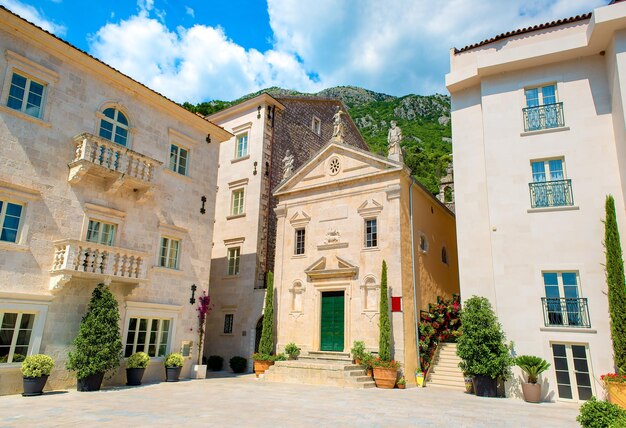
[339, 132]
[394, 137]
[287, 165]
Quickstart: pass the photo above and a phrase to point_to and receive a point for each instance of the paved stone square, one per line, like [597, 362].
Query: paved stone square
[246, 402]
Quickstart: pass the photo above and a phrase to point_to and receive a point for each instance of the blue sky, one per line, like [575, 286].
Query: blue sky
[194, 50]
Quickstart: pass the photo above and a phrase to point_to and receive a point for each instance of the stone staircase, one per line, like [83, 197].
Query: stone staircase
[444, 371]
[320, 368]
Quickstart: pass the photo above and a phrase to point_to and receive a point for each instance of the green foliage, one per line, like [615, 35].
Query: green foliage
[601, 414]
[278, 357]
[17, 358]
[532, 366]
[215, 363]
[238, 364]
[401, 381]
[385, 364]
[139, 360]
[358, 349]
[482, 346]
[292, 350]
[174, 360]
[262, 356]
[368, 360]
[37, 365]
[615, 283]
[384, 338]
[266, 345]
[98, 345]
[441, 323]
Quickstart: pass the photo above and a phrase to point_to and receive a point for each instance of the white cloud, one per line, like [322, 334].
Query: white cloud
[33, 15]
[397, 47]
[189, 11]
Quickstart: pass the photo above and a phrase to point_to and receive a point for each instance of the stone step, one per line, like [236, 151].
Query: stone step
[453, 373]
[446, 377]
[452, 365]
[319, 372]
[325, 355]
[355, 373]
[443, 385]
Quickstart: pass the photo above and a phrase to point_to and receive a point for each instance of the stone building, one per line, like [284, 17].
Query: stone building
[339, 216]
[539, 141]
[264, 128]
[101, 180]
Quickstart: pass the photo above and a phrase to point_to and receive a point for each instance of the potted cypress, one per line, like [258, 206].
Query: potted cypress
[35, 372]
[173, 365]
[135, 368]
[533, 367]
[263, 359]
[385, 369]
[482, 347]
[198, 370]
[98, 346]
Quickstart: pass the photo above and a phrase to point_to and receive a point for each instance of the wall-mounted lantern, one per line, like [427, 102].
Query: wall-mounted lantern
[192, 300]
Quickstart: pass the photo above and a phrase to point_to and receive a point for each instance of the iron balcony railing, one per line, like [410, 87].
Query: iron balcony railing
[565, 312]
[543, 117]
[556, 193]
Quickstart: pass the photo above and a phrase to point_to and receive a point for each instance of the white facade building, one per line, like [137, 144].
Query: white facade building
[539, 141]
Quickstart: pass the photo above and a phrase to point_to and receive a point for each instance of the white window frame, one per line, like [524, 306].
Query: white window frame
[15, 194]
[103, 214]
[3, 210]
[241, 208]
[245, 134]
[29, 304]
[546, 166]
[100, 233]
[237, 263]
[295, 241]
[152, 311]
[540, 93]
[365, 220]
[120, 109]
[177, 162]
[146, 344]
[316, 125]
[571, 370]
[168, 247]
[27, 92]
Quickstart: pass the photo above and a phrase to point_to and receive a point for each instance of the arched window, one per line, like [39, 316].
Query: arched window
[444, 255]
[114, 126]
[423, 243]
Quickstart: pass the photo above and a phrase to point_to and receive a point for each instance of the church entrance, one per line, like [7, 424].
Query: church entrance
[332, 321]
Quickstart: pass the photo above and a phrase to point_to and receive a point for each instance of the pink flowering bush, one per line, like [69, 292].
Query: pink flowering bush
[204, 308]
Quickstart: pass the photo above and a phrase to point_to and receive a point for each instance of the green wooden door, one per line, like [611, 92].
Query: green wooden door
[332, 321]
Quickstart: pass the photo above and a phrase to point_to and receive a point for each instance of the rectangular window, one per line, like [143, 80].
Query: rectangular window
[550, 186]
[300, 240]
[233, 261]
[101, 232]
[237, 202]
[178, 159]
[10, 215]
[540, 96]
[228, 323]
[371, 233]
[573, 374]
[563, 305]
[15, 334]
[149, 335]
[316, 125]
[26, 95]
[241, 148]
[169, 253]
[542, 111]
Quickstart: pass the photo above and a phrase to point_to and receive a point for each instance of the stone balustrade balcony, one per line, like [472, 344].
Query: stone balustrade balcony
[118, 165]
[88, 260]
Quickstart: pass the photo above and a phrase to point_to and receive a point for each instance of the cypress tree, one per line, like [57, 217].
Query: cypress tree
[266, 345]
[616, 284]
[98, 345]
[384, 339]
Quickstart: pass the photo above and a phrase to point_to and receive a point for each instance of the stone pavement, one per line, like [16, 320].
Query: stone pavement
[243, 401]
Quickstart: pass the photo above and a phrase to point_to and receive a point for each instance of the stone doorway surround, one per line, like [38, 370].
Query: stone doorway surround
[320, 288]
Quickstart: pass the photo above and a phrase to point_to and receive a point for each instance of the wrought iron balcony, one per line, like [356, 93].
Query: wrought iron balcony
[543, 117]
[564, 312]
[557, 193]
[82, 259]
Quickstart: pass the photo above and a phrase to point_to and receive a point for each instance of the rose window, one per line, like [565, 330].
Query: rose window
[333, 166]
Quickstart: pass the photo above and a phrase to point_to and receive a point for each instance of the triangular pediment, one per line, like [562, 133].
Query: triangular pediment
[370, 207]
[334, 163]
[300, 218]
[337, 267]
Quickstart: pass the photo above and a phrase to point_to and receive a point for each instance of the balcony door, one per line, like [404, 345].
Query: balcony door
[562, 298]
[549, 187]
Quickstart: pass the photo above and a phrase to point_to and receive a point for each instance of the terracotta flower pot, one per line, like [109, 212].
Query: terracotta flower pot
[401, 386]
[617, 393]
[261, 366]
[357, 361]
[370, 372]
[385, 378]
[532, 392]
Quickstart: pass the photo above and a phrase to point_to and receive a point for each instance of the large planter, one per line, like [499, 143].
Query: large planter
[90, 383]
[134, 376]
[385, 378]
[198, 371]
[617, 393]
[34, 385]
[261, 366]
[532, 392]
[485, 386]
[172, 374]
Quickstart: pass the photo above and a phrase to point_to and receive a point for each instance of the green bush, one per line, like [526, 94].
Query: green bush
[215, 363]
[260, 356]
[278, 357]
[482, 346]
[358, 349]
[266, 345]
[37, 365]
[174, 360]
[532, 366]
[238, 364]
[384, 339]
[98, 345]
[292, 350]
[368, 360]
[17, 358]
[601, 414]
[139, 360]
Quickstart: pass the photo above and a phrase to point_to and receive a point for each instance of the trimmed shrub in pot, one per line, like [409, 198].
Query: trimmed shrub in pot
[135, 367]
[98, 346]
[263, 359]
[173, 365]
[292, 350]
[533, 367]
[358, 351]
[238, 364]
[35, 370]
[482, 346]
[215, 363]
[385, 369]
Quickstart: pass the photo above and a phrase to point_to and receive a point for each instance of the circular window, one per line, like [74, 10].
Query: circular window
[333, 166]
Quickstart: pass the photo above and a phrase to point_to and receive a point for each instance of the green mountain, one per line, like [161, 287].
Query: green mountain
[425, 123]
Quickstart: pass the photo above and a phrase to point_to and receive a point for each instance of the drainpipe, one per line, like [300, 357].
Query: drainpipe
[415, 312]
